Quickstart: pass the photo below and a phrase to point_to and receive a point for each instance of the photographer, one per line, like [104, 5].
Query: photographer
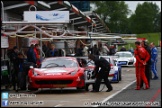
[103, 73]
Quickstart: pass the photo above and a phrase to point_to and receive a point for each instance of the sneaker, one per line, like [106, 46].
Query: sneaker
[155, 78]
[137, 88]
[94, 91]
[147, 87]
[109, 90]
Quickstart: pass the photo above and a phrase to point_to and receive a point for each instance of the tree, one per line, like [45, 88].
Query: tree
[146, 18]
[114, 14]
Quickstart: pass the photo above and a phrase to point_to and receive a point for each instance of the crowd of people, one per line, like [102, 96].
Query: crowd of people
[146, 59]
[18, 59]
[101, 49]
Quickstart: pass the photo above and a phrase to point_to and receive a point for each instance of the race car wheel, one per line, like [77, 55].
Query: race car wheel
[117, 78]
[120, 77]
[86, 87]
[80, 88]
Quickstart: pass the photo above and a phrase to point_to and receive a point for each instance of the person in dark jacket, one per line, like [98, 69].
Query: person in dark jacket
[79, 51]
[14, 61]
[21, 73]
[123, 48]
[148, 64]
[94, 50]
[103, 73]
[52, 52]
[31, 57]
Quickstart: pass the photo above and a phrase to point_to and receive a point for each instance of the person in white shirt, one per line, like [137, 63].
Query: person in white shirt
[104, 50]
[85, 51]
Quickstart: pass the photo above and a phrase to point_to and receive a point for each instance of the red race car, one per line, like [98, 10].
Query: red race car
[57, 72]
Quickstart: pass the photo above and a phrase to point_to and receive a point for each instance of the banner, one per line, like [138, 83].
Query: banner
[47, 16]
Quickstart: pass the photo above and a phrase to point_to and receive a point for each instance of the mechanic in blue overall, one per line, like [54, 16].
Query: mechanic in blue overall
[154, 55]
[103, 73]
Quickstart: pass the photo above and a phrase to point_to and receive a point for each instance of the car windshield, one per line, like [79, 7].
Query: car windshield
[123, 54]
[59, 62]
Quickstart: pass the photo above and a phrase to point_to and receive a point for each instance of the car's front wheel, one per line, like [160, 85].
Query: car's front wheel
[29, 86]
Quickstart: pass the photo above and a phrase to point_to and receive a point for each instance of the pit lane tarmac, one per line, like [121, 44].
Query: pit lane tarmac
[70, 97]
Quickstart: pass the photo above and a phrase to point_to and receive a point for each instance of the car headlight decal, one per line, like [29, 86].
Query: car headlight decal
[35, 73]
[73, 73]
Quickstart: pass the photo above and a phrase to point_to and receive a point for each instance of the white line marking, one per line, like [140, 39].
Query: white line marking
[111, 96]
[58, 105]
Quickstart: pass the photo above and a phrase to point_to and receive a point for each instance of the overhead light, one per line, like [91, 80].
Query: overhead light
[44, 4]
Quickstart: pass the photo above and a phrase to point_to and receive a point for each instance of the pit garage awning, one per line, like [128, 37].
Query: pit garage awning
[100, 26]
[77, 17]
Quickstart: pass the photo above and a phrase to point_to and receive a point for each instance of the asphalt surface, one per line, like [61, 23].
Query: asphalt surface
[139, 98]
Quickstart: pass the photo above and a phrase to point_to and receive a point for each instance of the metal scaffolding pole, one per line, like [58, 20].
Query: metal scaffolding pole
[2, 11]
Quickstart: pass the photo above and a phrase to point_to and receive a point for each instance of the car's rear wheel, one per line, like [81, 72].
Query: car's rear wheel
[117, 80]
[120, 77]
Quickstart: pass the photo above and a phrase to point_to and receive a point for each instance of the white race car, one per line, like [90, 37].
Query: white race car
[125, 58]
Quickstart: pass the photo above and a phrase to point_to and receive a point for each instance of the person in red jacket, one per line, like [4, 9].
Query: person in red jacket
[142, 56]
[37, 54]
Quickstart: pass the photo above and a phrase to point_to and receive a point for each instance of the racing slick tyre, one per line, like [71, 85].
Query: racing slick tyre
[86, 87]
[80, 88]
[117, 81]
[32, 89]
[29, 86]
[120, 77]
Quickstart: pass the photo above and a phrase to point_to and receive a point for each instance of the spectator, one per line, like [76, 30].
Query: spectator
[21, 61]
[123, 48]
[31, 57]
[85, 51]
[103, 50]
[94, 50]
[52, 52]
[37, 54]
[14, 60]
[112, 50]
[79, 51]
[154, 60]
[44, 47]
[131, 50]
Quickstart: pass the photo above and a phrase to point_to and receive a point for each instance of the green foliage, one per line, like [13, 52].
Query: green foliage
[151, 37]
[146, 18]
[114, 14]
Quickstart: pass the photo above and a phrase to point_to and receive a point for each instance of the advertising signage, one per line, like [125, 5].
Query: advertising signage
[47, 16]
